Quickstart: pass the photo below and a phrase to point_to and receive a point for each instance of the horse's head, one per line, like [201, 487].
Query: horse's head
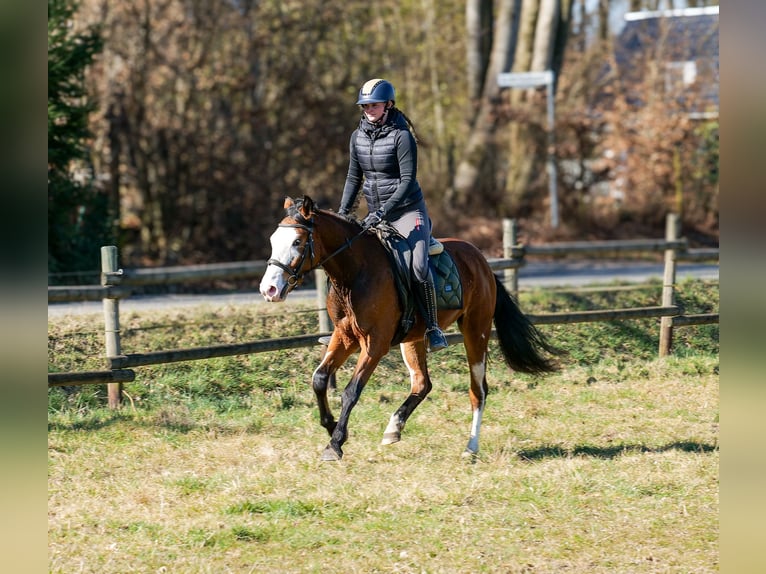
[292, 250]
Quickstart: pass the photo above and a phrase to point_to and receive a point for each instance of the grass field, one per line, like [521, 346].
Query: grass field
[213, 466]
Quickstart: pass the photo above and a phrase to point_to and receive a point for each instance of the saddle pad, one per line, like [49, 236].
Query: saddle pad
[449, 289]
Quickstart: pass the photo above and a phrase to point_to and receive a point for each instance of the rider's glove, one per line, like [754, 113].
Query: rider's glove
[372, 219]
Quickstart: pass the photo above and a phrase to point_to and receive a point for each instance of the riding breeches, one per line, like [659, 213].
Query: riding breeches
[415, 226]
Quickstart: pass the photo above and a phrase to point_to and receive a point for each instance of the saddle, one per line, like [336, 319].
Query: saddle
[447, 284]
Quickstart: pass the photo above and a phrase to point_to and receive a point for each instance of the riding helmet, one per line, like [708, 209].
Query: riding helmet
[376, 90]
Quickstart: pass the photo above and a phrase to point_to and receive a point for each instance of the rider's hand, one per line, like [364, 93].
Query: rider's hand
[372, 219]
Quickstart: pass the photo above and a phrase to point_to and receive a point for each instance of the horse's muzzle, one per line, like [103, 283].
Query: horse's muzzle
[273, 294]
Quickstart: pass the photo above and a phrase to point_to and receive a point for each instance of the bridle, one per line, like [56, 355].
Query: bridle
[294, 273]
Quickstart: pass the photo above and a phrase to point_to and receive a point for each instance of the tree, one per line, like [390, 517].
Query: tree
[479, 144]
[543, 30]
[77, 213]
[211, 112]
[528, 36]
[478, 24]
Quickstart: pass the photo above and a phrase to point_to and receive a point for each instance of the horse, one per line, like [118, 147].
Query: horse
[364, 306]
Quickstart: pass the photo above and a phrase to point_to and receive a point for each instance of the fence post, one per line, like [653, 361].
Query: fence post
[320, 277]
[511, 276]
[672, 232]
[111, 321]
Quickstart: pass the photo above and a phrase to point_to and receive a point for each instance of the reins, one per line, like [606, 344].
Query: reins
[346, 244]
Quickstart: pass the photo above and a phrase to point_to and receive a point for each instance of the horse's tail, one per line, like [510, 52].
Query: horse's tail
[523, 346]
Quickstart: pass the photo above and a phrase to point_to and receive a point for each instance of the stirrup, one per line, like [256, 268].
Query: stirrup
[435, 340]
[434, 247]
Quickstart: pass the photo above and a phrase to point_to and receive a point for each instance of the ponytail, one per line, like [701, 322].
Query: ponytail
[411, 126]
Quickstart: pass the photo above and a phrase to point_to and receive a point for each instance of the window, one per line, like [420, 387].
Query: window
[679, 76]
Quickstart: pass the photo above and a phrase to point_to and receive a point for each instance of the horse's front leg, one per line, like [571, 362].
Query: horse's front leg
[320, 383]
[364, 368]
[324, 377]
[414, 355]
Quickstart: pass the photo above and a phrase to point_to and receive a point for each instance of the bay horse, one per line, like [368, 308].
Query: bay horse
[365, 308]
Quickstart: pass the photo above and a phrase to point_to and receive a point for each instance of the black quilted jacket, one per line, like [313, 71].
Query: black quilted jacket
[384, 164]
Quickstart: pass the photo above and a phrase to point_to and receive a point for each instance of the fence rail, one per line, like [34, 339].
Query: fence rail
[90, 377]
[117, 284]
[180, 355]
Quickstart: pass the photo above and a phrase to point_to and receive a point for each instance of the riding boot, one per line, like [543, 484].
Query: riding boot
[434, 337]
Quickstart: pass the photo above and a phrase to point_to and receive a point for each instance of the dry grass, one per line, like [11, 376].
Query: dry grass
[587, 478]
[609, 466]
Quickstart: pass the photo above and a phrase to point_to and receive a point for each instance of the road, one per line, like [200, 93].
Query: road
[542, 274]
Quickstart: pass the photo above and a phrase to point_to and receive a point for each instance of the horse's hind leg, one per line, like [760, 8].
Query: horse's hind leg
[476, 341]
[414, 355]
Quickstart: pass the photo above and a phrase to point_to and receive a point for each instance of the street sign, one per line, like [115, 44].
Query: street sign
[525, 79]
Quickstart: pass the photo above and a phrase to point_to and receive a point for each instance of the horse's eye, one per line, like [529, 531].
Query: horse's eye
[296, 243]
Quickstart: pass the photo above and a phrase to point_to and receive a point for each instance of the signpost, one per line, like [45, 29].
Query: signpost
[526, 80]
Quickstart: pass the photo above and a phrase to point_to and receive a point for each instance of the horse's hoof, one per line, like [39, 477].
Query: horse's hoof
[391, 438]
[470, 456]
[331, 454]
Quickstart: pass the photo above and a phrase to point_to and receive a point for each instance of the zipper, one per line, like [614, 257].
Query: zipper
[373, 137]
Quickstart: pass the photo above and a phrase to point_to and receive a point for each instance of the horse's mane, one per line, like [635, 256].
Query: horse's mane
[294, 212]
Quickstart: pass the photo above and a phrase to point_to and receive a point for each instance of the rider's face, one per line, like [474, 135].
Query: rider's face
[374, 112]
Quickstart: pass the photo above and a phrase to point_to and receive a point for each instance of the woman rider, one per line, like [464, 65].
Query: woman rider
[383, 164]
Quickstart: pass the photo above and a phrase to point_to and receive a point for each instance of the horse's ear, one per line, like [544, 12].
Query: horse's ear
[307, 206]
[289, 202]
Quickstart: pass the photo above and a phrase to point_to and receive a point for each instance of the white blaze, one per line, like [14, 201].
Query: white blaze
[274, 279]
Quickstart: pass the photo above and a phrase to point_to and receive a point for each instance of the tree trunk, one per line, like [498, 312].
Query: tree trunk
[545, 35]
[436, 151]
[478, 23]
[522, 154]
[561, 39]
[466, 183]
[542, 37]
[114, 117]
[603, 20]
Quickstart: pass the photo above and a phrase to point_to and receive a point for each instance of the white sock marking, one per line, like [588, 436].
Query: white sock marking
[393, 425]
[478, 371]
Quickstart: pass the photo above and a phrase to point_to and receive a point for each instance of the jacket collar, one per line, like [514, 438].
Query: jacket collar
[394, 120]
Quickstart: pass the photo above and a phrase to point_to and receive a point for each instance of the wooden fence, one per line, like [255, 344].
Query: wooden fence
[116, 284]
